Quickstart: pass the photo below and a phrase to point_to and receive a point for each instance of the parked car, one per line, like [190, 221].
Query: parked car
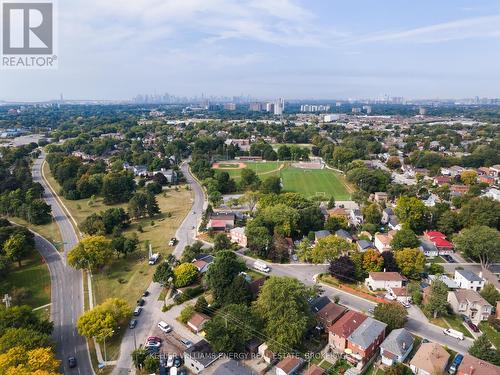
[72, 362]
[141, 302]
[456, 362]
[405, 304]
[454, 333]
[472, 326]
[152, 344]
[465, 318]
[172, 241]
[137, 311]
[154, 338]
[170, 360]
[177, 361]
[371, 310]
[146, 293]
[132, 324]
[164, 327]
[186, 343]
[182, 371]
[261, 266]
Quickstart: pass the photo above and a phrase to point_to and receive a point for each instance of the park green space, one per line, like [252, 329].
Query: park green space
[128, 277]
[33, 276]
[310, 182]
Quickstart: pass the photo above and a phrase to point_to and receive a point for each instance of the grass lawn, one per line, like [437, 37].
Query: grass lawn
[263, 169]
[312, 182]
[452, 321]
[437, 259]
[127, 278]
[255, 275]
[33, 276]
[49, 231]
[492, 335]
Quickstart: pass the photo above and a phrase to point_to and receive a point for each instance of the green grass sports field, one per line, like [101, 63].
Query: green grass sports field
[310, 182]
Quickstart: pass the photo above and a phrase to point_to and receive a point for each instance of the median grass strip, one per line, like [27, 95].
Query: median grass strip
[50, 231]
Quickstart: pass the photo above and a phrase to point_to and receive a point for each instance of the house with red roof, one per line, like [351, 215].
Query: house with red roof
[221, 222]
[439, 240]
[343, 328]
[441, 180]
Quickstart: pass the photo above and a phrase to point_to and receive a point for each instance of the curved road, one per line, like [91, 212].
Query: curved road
[67, 286]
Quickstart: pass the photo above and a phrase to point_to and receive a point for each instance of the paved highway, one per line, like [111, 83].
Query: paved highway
[67, 286]
[152, 314]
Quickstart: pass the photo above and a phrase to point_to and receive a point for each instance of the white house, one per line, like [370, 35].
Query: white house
[493, 193]
[396, 347]
[468, 280]
[385, 280]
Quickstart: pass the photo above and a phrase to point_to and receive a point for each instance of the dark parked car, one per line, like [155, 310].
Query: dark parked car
[132, 323]
[71, 362]
[145, 294]
[465, 318]
[141, 302]
[177, 361]
[472, 326]
[137, 311]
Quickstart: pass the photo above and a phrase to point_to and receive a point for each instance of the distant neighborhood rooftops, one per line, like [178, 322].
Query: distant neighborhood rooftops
[314, 370]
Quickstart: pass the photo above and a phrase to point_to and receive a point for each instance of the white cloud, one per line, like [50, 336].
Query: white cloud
[477, 27]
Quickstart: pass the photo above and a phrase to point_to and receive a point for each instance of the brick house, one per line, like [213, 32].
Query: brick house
[342, 329]
[365, 340]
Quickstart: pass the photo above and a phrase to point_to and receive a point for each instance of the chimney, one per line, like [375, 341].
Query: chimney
[481, 274]
[404, 345]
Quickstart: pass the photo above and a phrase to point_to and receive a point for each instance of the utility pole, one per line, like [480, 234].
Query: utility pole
[7, 300]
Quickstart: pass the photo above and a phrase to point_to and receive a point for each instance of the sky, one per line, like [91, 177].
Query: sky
[295, 49]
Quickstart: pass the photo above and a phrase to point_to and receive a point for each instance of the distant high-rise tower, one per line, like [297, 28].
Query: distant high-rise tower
[279, 107]
[422, 111]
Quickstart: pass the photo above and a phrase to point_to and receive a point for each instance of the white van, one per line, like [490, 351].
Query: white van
[453, 333]
[261, 266]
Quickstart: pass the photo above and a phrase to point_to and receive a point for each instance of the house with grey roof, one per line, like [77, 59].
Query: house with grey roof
[364, 245]
[321, 234]
[468, 280]
[342, 233]
[449, 282]
[366, 339]
[396, 346]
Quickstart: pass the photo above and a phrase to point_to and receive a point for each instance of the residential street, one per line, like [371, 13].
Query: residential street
[152, 313]
[417, 323]
[67, 286]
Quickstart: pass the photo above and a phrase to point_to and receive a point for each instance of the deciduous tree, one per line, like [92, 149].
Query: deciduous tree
[481, 243]
[392, 314]
[283, 307]
[185, 274]
[411, 262]
[91, 252]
